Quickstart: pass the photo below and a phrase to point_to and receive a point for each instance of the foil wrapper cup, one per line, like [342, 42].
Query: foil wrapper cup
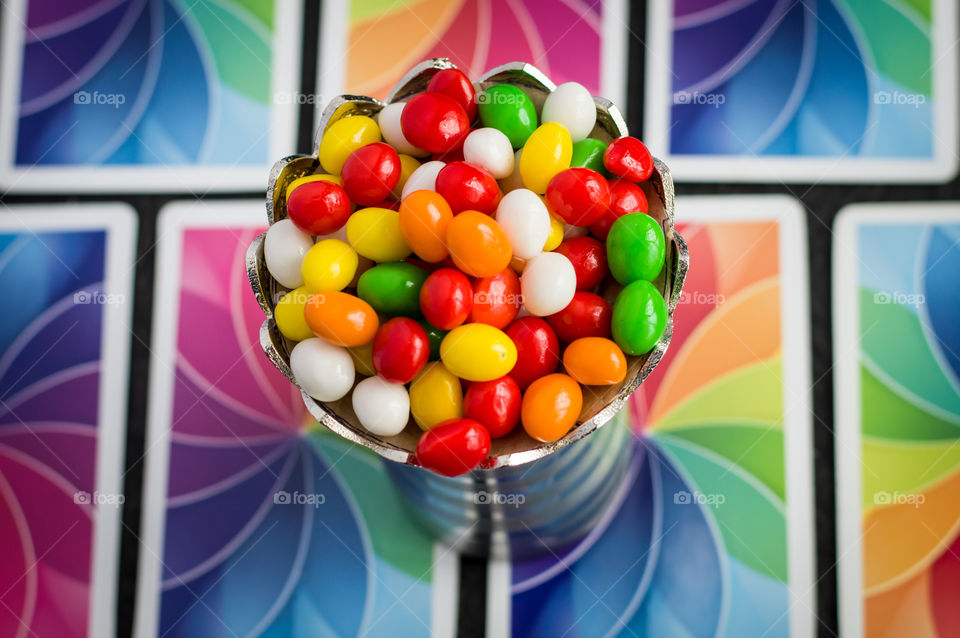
[526, 497]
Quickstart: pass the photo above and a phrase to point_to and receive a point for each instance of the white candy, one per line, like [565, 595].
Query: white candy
[569, 230]
[283, 250]
[548, 284]
[322, 370]
[389, 121]
[491, 150]
[382, 407]
[423, 179]
[524, 219]
[513, 181]
[571, 105]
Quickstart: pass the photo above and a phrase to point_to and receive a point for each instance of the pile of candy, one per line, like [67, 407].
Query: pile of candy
[457, 249]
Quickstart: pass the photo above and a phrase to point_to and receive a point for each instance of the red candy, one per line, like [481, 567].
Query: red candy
[468, 187]
[627, 157]
[400, 349]
[453, 447]
[589, 259]
[538, 351]
[494, 404]
[496, 299]
[370, 173]
[318, 208]
[434, 122]
[579, 196]
[456, 84]
[588, 315]
[625, 197]
[446, 298]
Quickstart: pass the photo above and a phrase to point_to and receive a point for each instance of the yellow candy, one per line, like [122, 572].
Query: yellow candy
[342, 138]
[329, 265]
[408, 164]
[363, 359]
[312, 178]
[375, 234]
[478, 352]
[547, 152]
[289, 315]
[435, 396]
[555, 236]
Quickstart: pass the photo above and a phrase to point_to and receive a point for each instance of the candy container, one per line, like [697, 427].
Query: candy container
[424, 217]
[494, 404]
[477, 244]
[595, 361]
[341, 318]
[400, 349]
[446, 298]
[390, 128]
[489, 149]
[587, 315]
[375, 234]
[455, 84]
[435, 396]
[319, 207]
[434, 122]
[453, 447]
[589, 259]
[363, 359]
[468, 187]
[292, 186]
[370, 173]
[639, 318]
[393, 288]
[627, 157]
[550, 407]
[424, 178]
[588, 153]
[478, 352]
[509, 110]
[578, 196]
[283, 250]
[547, 284]
[322, 370]
[329, 265]
[496, 299]
[546, 152]
[289, 315]
[625, 197]
[342, 138]
[571, 105]
[636, 248]
[538, 351]
[381, 406]
[525, 221]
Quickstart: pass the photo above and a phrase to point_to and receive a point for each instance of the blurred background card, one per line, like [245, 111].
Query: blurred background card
[897, 370]
[368, 45]
[66, 278]
[712, 533]
[828, 91]
[257, 520]
[147, 95]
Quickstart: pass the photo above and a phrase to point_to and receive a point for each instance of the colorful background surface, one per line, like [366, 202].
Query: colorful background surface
[909, 363]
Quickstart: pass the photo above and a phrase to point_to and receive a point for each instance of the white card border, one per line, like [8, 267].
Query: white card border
[193, 178]
[119, 222]
[798, 170]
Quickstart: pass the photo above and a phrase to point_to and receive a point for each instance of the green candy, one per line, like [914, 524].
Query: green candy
[588, 153]
[434, 336]
[636, 248]
[509, 110]
[639, 318]
[393, 288]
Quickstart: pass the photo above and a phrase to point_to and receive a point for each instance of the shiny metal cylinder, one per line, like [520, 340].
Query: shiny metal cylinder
[522, 510]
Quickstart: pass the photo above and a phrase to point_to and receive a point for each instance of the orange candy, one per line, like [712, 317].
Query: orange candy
[424, 218]
[551, 406]
[595, 361]
[341, 318]
[477, 244]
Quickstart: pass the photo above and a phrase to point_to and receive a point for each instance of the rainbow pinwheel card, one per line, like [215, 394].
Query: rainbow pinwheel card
[257, 522]
[147, 95]
[66, 278]
[896, 350]
[711, 533]
[861, 91]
